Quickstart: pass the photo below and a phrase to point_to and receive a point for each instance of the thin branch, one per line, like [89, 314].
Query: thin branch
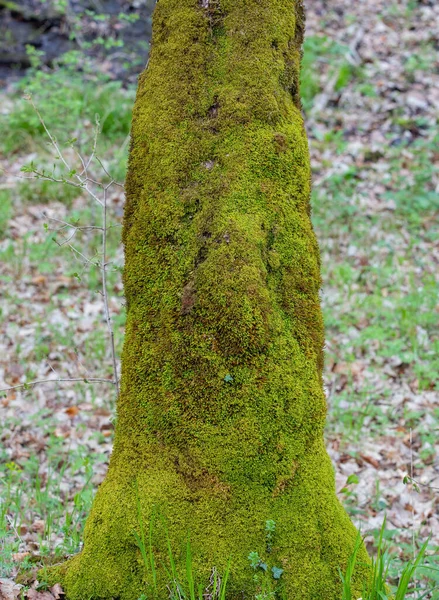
[67, 240]
[83, 179]
[75, 251]
[95, 143]
[427, 485]
[84, 166]
[41, 175]
[72, 225]
[113, 182]
[28, 97]
[60, 155]
[58, 380]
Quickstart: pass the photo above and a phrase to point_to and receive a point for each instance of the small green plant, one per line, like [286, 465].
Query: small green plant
[378, 588]
[266, 576]
[347, 577]
[5, 210]
[178, 589]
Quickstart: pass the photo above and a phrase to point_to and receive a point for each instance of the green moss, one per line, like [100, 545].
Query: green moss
[221, 412]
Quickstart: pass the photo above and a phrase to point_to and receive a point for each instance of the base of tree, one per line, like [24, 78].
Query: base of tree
[313, 535]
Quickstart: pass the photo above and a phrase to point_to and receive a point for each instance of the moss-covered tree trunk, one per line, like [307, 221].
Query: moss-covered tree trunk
[221, 412]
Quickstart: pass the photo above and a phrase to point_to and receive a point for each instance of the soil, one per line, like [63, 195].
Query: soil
[54, 27]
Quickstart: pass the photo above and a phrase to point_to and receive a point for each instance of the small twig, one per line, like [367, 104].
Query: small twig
[41, 175]
[52, 369]
[95, 143]
[76, 251]
[352, 55]
[84, 166]
[418, 483]
[12, 525]
[67, 240]
[72, 225]
[58, 380]
[83, 180]
[113, 182]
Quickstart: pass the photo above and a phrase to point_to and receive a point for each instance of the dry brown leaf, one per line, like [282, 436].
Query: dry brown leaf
[38, 526]
[19, 556]
[57, 591]
[36, 595]
[72, 411]
[9, 590]
[39, 280]
[372, 461]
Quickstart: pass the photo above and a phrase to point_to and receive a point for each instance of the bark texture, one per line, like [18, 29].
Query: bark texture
[221, 412]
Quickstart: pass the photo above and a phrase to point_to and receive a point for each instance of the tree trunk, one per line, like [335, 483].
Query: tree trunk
[221, 412]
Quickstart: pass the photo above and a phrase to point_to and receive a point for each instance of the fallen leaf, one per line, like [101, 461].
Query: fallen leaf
[9, 590]
[57, 591]
[72, 411]
[39, 280]
[38, 526]
[372, 461]
[36, 595]
[18, 556]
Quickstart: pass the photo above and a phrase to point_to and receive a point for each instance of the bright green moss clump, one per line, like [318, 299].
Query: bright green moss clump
[221, 413]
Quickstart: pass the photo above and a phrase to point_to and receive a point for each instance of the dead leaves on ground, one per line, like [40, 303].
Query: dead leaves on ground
[9, 590]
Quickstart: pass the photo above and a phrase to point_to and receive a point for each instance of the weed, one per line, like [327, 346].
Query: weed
[378, 588]
[5, 210]
[178, 589]
[70, 100]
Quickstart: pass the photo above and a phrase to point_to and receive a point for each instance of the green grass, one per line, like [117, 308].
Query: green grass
[45, 192]
[378, 587]
[27, 498]
[69, 101]
[180, 588]
[319, 51]
[6, 210]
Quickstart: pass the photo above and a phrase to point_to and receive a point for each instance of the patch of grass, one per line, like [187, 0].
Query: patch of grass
[378, 587]
[5, 210]
[322, 53]
[411, 177]
[69, 101]
[43, 192]
[179, 588]
[35, 502]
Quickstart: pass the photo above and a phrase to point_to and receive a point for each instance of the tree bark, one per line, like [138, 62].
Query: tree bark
[221, 412]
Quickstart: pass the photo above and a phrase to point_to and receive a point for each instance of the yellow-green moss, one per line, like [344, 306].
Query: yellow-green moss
[221, 412]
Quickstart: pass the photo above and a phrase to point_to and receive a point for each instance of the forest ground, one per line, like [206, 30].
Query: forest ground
[370, 93]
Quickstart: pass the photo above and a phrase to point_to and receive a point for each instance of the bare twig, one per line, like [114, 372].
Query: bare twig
[58, 380]
[95, 143]
[69, 230]
[352, 55]
[417, 483]
[113, 182]
[83, 182]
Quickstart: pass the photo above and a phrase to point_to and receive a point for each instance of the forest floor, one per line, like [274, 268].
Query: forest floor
[370, 92]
